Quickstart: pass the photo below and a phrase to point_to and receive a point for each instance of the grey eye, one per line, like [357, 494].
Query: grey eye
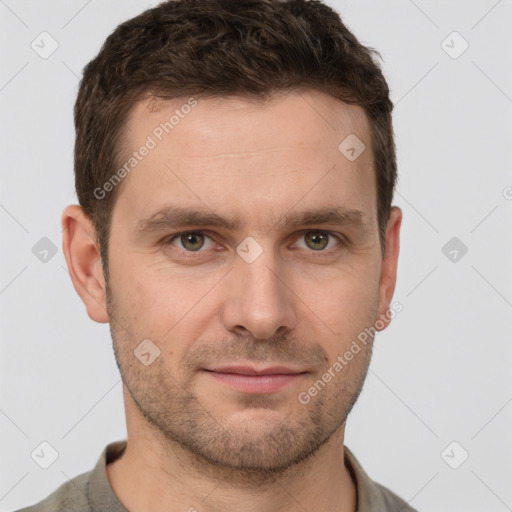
[192, 241]
[316, 240]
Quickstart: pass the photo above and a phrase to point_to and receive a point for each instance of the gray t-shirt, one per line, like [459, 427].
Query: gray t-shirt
[91, 491]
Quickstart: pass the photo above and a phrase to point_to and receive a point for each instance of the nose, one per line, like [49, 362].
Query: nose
[259, 301]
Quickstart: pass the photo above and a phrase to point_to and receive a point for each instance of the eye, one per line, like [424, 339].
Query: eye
[318, 240]
[192, 241]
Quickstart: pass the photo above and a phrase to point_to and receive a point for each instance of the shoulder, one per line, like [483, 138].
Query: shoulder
[71, 496]
[87, 492]
[371, 495]
[391, 501]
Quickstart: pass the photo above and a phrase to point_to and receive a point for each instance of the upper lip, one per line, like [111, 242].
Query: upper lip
[251, 370]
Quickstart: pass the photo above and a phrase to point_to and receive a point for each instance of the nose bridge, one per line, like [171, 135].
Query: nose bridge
[259, 299]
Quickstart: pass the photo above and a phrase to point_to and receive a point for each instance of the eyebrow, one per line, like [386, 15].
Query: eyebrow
[173, 217]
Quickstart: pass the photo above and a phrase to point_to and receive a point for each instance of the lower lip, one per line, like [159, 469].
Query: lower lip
[256, 383]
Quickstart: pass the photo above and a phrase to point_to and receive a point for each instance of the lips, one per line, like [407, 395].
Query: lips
[249, 370]
[249, 379]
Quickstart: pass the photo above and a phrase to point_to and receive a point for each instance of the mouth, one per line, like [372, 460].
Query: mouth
[248, 379]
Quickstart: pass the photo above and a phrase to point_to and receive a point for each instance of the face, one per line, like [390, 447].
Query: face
[244, 240]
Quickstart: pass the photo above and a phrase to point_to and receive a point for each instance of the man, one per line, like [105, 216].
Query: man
[235, 168]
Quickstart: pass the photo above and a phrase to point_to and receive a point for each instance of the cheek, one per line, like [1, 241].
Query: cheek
[343, 307]
[161, 306]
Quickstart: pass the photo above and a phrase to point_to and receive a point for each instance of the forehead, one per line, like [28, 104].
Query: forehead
[222, 151]
[302, 118]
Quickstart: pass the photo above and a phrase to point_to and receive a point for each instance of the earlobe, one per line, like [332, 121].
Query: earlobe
[84, 261]
[389, 267]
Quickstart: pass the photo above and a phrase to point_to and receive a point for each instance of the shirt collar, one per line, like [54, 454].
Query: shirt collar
[102, 497]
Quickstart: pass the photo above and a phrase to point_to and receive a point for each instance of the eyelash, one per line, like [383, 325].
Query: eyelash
[342, 241]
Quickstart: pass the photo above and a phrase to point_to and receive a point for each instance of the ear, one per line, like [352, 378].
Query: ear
[84, 261]
[389, 266]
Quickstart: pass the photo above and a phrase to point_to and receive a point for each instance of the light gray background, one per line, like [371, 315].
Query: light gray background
[440, 373]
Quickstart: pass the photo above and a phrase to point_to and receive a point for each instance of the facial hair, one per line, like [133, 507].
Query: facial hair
[242, 452]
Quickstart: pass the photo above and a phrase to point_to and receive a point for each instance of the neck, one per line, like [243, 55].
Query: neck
[153, 475]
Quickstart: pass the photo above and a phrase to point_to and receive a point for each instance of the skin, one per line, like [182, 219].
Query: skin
[193, 441]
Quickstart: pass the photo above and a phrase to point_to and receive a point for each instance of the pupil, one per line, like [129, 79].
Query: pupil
[316, 239]
[191, 240]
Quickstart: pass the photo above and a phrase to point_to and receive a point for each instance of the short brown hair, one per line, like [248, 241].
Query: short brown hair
[220, 48]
